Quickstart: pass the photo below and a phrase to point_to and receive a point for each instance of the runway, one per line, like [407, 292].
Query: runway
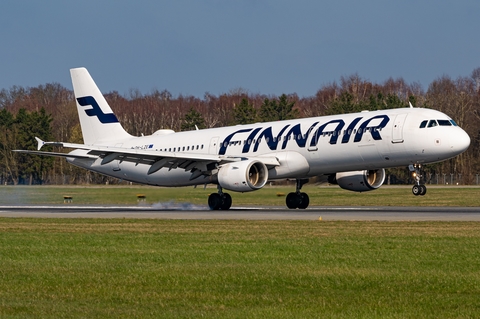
[178, 211]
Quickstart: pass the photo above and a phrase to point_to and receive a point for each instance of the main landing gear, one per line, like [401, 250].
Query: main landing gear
[417, 189]
[220, 200]
[298, 199]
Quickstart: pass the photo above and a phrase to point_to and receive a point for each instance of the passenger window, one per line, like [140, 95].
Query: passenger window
[423, 124]
[432, 123]
[444, 123]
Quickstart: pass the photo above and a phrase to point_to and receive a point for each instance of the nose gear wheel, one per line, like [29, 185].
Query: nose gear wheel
[417, 189]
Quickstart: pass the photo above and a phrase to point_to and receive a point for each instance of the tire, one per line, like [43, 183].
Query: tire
[226, 201]
[292, 200]
[416, 190]
[304, 200]
[215, 201]
[423, 190]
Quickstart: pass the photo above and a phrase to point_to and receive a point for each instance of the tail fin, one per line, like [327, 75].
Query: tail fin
[97, 120]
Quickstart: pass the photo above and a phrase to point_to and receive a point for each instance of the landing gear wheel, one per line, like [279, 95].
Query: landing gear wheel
[415, 190]
[423, 190]
[226, 201]
[419, 190]
[297, 200]
[220, 201]
[215, 201]
[292, 201]
[304, 200]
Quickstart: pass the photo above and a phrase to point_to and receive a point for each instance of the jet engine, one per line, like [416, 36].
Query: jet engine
[243, 176]
[360, 181]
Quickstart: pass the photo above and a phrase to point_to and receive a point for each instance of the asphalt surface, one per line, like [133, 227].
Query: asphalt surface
[171, 211]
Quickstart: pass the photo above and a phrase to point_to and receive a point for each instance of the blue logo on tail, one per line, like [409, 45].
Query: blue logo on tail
[96, 110]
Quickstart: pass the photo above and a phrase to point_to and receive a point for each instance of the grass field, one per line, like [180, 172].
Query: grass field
[268, 196]
[94, 268]
[98, 268]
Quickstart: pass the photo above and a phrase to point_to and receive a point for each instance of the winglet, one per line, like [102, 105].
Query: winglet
[40, 143]
[410, 103]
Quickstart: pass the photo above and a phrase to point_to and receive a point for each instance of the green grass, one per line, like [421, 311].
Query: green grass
[268, 196]
[94, 268]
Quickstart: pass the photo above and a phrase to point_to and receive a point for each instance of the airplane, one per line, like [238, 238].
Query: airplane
[351, 150]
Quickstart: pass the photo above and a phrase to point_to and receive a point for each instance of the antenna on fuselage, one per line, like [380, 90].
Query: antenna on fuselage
[410, 103]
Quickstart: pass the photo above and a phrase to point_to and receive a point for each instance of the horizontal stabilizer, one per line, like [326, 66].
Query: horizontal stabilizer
[40, 143]
[54, 154]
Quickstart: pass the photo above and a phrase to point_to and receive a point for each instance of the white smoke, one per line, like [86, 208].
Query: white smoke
[172, 205]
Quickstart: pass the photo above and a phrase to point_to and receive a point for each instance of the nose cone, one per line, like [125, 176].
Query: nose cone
[460, 141]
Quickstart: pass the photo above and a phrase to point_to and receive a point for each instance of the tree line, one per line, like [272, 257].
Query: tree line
[49, 112]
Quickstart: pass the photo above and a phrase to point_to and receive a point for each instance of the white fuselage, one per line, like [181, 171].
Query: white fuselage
[304, 147]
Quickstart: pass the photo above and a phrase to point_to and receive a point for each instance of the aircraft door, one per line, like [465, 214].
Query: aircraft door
[397, 129]
[213, 148]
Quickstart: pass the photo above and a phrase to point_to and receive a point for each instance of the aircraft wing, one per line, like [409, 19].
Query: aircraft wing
[198, 164]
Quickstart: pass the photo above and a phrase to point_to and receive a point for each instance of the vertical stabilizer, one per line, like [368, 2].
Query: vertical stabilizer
[99, 124]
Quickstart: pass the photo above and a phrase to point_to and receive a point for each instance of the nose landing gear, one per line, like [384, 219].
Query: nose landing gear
[417, 189]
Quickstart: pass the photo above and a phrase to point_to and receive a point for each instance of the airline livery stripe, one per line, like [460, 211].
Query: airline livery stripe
[96, 110]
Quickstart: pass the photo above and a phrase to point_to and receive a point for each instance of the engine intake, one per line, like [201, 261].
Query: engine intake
[360, 181]
[243, 176]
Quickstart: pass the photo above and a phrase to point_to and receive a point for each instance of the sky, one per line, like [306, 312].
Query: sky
[270, 47]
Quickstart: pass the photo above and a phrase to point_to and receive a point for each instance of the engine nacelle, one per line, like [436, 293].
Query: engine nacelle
[361, 181]
[243, 176]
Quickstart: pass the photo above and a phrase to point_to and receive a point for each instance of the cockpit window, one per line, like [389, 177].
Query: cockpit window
[433, 123]
[444, 123]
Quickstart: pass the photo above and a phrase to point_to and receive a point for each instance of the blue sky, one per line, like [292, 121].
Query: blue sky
[270, 47]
